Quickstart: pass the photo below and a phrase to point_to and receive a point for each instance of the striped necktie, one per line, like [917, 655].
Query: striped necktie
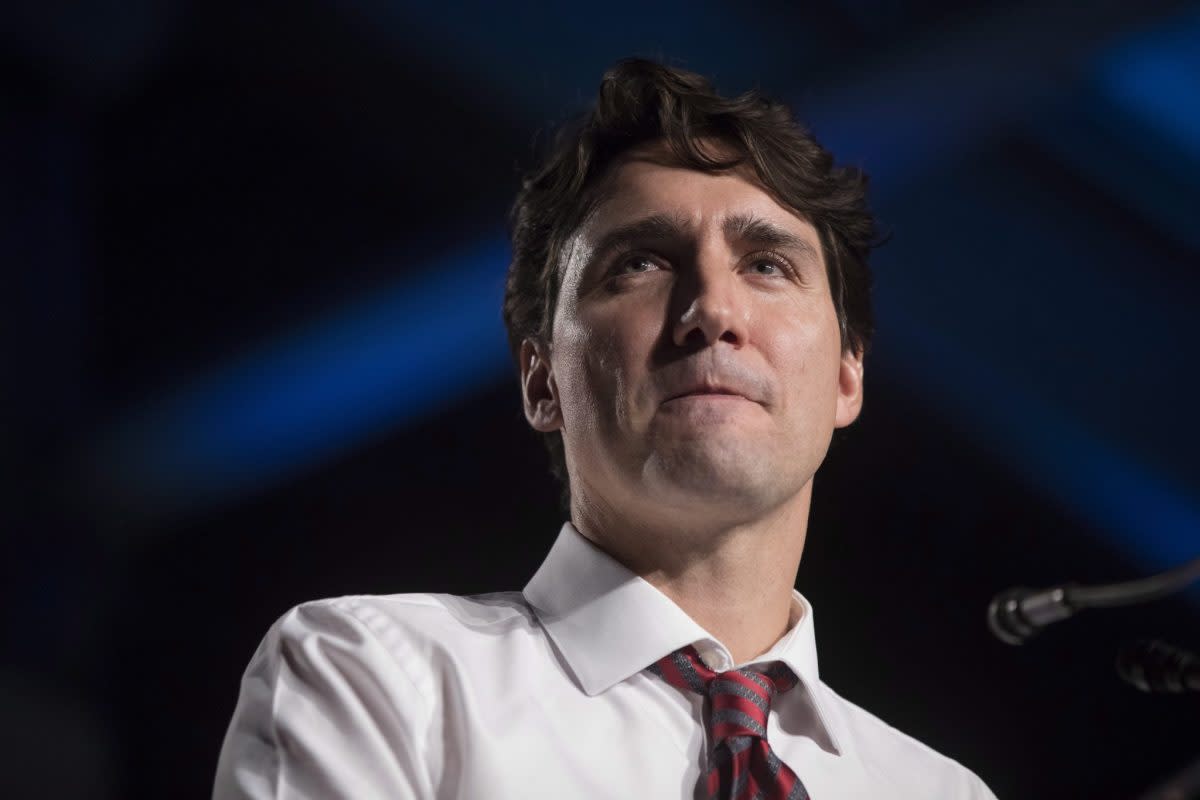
[741, 762]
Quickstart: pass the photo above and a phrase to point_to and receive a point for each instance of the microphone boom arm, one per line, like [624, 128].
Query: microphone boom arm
[1017, 614]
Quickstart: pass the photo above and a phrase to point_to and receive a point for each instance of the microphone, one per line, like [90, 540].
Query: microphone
[1017, 614]
[1155, 666]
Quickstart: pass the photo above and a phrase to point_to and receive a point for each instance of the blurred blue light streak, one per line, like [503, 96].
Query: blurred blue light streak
[1155, 79]
[1135, 132]
[1140, 512]
[313, 394]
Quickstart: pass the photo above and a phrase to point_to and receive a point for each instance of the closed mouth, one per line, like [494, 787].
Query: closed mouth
[707, 393]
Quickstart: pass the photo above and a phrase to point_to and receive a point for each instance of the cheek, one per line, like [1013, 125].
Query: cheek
[808, 359]
[612, 358]
[589, 374]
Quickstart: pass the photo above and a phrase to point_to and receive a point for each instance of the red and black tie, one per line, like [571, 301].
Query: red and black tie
[742, 765]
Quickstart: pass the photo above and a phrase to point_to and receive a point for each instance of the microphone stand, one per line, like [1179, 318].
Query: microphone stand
[1017, 614]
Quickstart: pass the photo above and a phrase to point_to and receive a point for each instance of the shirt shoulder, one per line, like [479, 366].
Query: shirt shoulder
[377, 665]
[428, 633]
[900, 760]
[418, 612]
[425, 620]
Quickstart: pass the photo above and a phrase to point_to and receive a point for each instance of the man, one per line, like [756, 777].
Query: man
[688, 307]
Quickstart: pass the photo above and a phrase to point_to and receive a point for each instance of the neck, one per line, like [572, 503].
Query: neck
[734, 579]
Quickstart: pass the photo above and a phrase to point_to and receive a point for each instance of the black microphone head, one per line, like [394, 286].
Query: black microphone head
[1007, 620]
[1155, 666]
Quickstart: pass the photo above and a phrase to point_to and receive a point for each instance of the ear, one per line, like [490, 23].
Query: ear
[850, 388]
[539, 391]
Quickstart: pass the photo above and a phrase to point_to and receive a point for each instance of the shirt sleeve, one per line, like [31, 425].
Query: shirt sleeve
[982, 791]
[325, 711]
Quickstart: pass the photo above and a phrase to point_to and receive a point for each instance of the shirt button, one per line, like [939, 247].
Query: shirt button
[716, 660]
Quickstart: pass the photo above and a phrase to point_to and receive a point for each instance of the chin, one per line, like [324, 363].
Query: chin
[698, 475]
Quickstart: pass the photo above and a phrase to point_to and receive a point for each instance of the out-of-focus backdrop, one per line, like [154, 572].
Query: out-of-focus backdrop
[252, 260]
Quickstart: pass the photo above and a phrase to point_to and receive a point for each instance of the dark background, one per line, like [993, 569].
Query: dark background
[252, 257]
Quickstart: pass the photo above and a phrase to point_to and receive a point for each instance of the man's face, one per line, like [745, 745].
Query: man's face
[696, 357]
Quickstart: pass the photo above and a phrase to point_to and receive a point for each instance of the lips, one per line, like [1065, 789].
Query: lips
[705, 394]
[707, 389]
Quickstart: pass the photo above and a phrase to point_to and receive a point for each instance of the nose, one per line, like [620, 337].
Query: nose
[714, 309]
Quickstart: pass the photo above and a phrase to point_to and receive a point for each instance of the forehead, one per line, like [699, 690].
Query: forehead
[647, 181]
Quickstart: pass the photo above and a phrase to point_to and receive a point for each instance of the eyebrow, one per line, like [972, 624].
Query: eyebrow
[753, 229]
[745, 228]
[655, 227]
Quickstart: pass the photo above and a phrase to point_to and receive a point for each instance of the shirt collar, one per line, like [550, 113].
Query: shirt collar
[610, 624]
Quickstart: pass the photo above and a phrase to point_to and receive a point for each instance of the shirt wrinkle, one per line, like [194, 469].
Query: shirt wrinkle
[352, 606]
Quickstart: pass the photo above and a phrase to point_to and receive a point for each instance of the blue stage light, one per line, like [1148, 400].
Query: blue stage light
[317, 392]
[1154, 79]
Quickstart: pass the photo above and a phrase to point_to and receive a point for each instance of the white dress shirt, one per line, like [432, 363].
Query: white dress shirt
[540, 694]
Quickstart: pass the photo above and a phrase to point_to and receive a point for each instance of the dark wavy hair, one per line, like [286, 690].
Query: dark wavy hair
[641, 101]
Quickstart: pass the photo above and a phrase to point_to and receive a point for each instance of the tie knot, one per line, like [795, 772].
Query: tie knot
[741, 698]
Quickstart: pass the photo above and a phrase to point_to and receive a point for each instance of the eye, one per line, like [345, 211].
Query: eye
[769, 267]
[634, 265]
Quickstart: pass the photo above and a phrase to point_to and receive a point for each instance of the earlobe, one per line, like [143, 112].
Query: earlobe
[538, 388]
[850, 388]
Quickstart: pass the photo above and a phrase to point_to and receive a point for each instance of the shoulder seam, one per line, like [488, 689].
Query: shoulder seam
[351, 605]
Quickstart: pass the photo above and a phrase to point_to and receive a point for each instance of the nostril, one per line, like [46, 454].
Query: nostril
[705, 326]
